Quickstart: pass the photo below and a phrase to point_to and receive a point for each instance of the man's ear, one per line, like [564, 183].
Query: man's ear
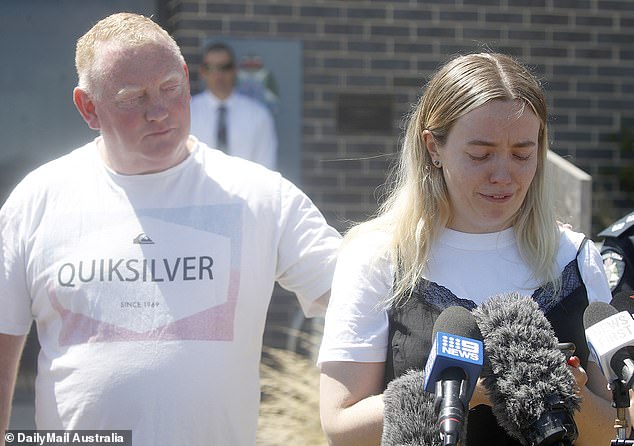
[86, 108]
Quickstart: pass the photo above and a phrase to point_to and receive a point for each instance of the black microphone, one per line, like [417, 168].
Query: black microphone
[412, 414]
[453, 369]
[623, 301]
[529, 384]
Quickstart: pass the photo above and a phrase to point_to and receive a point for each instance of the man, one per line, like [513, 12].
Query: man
[617, 251]
[147, 259]
[227, 120]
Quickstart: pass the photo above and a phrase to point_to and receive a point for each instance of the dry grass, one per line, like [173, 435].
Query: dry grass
[289, 412]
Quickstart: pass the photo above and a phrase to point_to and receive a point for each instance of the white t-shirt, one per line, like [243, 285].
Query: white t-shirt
[251, 130]
[150, 292]
[472, 266]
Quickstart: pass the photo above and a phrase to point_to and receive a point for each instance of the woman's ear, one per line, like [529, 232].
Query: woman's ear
[86, 108]
[430, 144]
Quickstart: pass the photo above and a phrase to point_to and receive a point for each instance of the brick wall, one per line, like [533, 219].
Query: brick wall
[582, 49]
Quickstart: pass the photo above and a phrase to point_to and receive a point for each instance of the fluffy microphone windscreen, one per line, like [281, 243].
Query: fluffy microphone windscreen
[409, 418]
[458, 321]
[596, 312]
[524, 371]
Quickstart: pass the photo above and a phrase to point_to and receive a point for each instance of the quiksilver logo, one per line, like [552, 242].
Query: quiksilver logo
[143, 239]
[185, 268]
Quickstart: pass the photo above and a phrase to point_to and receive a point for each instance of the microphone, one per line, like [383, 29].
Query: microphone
[453, 368]
[529, 384]
[610, 336]
[623, 301]
[409, 418]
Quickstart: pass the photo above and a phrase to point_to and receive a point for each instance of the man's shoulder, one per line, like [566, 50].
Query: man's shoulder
[235, 168]
[72, 160]
[60, 174]
[246, 179]
[620, 227]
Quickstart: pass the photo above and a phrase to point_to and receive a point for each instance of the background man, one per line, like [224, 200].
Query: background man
[228, 120]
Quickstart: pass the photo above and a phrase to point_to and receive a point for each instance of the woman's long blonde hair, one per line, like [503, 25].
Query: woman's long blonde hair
[417, 208]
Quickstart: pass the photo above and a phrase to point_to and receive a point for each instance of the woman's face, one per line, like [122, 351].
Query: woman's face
[488, 162]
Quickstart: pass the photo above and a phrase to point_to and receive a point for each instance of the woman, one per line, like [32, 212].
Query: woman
[468, 217]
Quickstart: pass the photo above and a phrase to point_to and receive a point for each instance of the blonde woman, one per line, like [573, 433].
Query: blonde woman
[467, 216]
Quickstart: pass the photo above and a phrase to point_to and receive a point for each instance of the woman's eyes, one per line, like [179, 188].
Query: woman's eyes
[522, 157]
[482, 157]
[477, 157]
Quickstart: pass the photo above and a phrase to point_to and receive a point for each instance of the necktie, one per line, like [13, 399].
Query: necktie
[221, 134]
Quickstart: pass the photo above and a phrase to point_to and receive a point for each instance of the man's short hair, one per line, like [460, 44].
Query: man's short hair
[126, 30]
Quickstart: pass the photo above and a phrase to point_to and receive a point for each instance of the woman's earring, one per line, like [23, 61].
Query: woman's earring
[437, 163]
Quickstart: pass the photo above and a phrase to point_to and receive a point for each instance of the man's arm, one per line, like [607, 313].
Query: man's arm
[318, 306]
[10, 351]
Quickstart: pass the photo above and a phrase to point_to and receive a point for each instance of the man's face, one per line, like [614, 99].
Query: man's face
[219, 73]
[142, 110]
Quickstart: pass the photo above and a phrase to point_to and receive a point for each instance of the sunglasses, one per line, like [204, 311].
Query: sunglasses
[229, 66]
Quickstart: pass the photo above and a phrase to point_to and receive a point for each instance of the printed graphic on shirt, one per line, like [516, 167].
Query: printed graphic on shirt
[165, 274]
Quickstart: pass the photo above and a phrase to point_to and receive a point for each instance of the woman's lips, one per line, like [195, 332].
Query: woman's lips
[497, 197]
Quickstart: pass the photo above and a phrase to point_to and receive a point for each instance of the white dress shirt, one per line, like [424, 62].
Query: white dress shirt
[250, 127]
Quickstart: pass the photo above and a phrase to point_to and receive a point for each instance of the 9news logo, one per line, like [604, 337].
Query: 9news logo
[460, 347]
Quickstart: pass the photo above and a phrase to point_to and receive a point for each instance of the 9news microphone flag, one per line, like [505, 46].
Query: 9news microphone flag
[453, 369]
[412, 415]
